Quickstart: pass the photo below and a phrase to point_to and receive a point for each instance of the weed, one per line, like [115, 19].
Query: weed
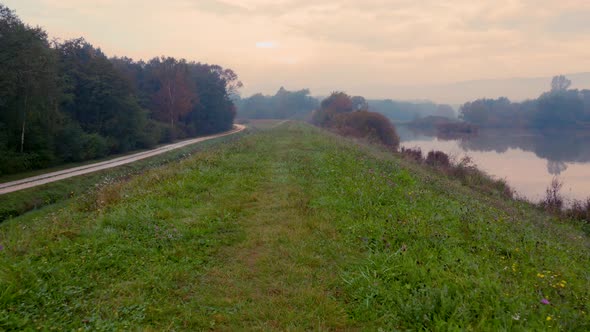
[553, 201]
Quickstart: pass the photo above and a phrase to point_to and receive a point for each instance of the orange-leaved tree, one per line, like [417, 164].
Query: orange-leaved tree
[176, 94]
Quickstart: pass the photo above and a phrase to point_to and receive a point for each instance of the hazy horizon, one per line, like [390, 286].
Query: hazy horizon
[375, 48]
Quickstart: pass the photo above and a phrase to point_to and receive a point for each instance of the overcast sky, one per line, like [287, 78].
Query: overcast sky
[365, 47]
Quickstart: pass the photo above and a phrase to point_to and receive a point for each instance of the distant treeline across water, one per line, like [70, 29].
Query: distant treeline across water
[558, 108]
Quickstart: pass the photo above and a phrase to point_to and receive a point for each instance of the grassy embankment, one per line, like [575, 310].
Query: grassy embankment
[293, 228]
[16, 203]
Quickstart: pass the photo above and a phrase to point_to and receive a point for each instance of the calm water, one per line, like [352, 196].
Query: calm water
[528, 161]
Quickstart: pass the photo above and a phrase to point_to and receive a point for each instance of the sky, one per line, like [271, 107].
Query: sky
[363, 47]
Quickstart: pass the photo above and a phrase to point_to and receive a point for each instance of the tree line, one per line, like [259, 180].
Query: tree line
[559, 108]
[67, 101]
[283, 105]
[405, 111]
[299, 104]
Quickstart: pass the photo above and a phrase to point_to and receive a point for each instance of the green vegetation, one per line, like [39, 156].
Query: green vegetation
[293, 228]
[64, 102]
[19, 202]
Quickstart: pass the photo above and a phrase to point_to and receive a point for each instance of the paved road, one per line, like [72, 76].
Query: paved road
[38, 180]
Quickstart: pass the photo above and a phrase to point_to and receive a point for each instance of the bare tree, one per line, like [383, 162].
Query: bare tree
[560, 83]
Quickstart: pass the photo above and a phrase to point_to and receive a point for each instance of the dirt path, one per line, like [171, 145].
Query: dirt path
[38, 180]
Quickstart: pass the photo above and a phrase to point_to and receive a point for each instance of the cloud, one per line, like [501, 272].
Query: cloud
[336, 44]
[267, 44]
[218, 7]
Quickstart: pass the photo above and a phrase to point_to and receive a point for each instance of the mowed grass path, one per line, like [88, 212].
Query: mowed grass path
[292, 229]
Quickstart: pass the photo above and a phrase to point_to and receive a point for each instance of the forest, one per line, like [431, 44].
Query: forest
[66, 101]
[559, 108]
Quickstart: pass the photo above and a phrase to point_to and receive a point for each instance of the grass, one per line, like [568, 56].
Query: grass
[19, 202]
[292, 228]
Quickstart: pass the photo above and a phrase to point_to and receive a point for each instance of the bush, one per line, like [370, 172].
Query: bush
[580, 210]
[553, 201]
[413, 154]
[93, 146]
[76, 145]
[373, 126]
[14, 162]
[438, 159]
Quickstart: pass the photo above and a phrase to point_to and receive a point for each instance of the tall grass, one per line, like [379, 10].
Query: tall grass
[464, 170]
[555, 204]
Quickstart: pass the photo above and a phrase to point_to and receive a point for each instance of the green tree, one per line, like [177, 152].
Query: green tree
[98, 97]
[27, 75]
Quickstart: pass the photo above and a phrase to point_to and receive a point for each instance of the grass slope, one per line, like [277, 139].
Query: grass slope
[17, 203]
[292, 229]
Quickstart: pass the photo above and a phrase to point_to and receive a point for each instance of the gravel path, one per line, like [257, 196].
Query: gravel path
[38, 180]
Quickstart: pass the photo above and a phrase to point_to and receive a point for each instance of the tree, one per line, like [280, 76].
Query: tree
[359, 103]
[559, 110]
[215, 110]
[98, 97]
[337, 102]
[27, 74]
[175, 95]
[560, 83]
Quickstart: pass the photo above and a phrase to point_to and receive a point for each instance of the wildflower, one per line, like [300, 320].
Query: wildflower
[545, 301]
[1, 247]
[540, 275]
[549, 318]
[516, 317]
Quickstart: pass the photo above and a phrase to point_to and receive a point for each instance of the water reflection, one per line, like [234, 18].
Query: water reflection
[508, 154]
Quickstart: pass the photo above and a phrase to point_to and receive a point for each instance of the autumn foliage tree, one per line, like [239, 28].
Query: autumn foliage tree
[349, 116]
[175, 94]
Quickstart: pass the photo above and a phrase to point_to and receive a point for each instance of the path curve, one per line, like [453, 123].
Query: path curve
[38, 180]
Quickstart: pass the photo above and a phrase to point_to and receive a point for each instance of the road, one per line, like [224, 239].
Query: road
[38, 180]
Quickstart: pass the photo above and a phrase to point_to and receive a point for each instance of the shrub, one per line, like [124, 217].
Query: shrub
[373, 126]
[438, 159]
[413, 154]
[580, 210]
[93, 146]
[14, 162]
[553, 201]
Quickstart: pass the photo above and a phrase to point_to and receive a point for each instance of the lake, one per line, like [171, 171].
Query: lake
[527, 160]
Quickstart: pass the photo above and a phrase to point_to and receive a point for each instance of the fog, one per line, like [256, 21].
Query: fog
[399, 49]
